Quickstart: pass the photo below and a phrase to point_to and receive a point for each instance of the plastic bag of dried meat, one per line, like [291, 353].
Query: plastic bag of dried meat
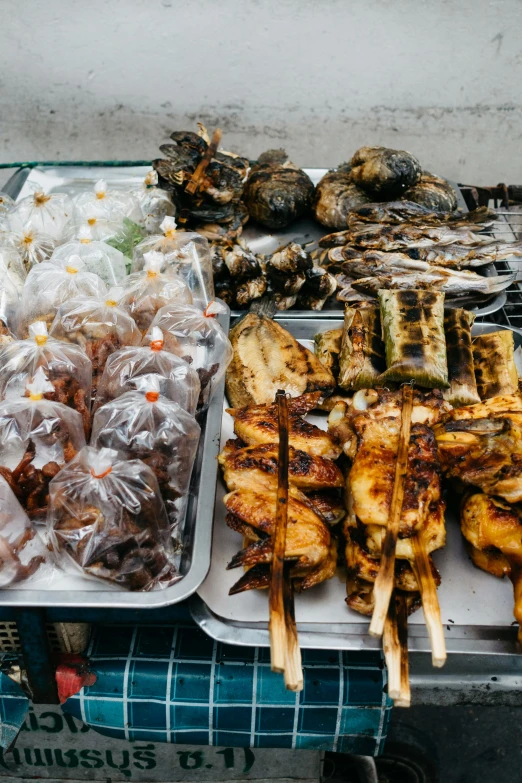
[49, 285]
[198, 337]
[108, 203]
[66, 366]
[148, 291]
[24, 558]
[98, 257]
[107, 520]
[47, 212]
[186, 253]
[37, 437]
[98, 325]
[34, 246]
[145, 425]
[155, 203]
[178, 381]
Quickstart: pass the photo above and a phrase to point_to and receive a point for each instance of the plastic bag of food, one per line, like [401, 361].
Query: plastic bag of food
[24, 558]
[198, 337]
[107, 520]
[11, 264]
[50, 285]
[144, 425]
[413, 333]
[34, 246]
[155, 203]
[98, 257]
[179, 381]
[98, 325]
[361, 360]
[461, 373]
[37, 437]
[148, 291]
[6, 205]
[9, 304]
[186, 253]
[47, 212]
[66, 366]
[107, 203]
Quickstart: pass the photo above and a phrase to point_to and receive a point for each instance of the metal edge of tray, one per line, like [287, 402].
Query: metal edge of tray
[460, 639]
[206, 467]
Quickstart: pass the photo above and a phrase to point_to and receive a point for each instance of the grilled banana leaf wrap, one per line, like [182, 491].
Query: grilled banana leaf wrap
[413, 332]
[495, 369]
[461, 374]
[361, 360]
[327, 347]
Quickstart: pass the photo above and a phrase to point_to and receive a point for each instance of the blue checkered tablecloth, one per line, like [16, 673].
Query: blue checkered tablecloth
[14, 706]
[175, 684]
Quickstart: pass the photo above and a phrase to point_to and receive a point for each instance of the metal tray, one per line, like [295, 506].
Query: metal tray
[477, 609]
[74, 179]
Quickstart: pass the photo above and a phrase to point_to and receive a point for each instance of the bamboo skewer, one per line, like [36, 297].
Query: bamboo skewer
[211, 150]
[385, 578]
[284, 645]
[404, 699]
[430, 601]
[392, 651]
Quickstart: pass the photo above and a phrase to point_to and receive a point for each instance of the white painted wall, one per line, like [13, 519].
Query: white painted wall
[111, 78]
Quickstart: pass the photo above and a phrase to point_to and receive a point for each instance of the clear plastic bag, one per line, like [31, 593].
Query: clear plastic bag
[107, 521]
[66, 366]
[33, 245]
[186, 253]
[148, 291]
[9, 304]
[11, 264]
[37, 437]
[144, 425]
[50, 285]
[98, 326]
[155, 203]
[198, 337]
[47, 212]
[6, 204]
[24, 558]
[99, 257]
[178, 381]
[107, 203]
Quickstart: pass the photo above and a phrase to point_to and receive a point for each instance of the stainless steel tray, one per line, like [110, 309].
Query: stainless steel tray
[477, 608]
[74, 179]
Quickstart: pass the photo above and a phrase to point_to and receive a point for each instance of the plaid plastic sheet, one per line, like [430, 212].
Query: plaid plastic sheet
[175, 684]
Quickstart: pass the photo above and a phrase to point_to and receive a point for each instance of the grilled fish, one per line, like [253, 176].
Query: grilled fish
[335, 195]
[383, 172]
[451, 282]
[457, 256]
[433, 192]
[397, 212]
[267, 358]
[398, 237]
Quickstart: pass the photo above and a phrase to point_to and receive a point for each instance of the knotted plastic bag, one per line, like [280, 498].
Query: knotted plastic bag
[198, 337]
[148, 291]
[24, 558]
[178, 381]
[145, 425]
[9, 306]
[11, 264]
[37, 437]
[98, 257]
[107, 520]
[98, 325]
[33, 245]
[51, 284]
[186, 253]
[6, 205]
[108, 203]
[66, 366]
[47, 212]
[155, 203]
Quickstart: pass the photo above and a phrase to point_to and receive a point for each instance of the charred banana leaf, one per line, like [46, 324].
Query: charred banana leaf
[495, 370]
[327, 347]
[361, 360]
[461, 375]
[413, 332]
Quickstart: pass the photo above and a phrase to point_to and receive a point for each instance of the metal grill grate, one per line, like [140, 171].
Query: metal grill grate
[508, 226]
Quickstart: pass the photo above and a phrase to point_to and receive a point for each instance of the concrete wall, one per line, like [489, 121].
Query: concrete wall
[111, 78]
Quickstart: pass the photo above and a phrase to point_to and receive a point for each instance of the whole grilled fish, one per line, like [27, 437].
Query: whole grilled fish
[457, 256]
[267, 358]
[397, 212]
[453, 284]
[406, 236]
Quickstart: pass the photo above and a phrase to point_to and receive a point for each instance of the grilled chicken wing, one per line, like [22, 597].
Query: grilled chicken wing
[268, 358]
[258, 424]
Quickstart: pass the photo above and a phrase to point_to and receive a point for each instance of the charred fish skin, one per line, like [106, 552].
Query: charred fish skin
[433, 192]
[335, 195]
[384, 172]
[277, 192]
[404, 211]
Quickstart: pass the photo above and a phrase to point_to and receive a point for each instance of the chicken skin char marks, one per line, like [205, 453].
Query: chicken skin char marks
[250, 468]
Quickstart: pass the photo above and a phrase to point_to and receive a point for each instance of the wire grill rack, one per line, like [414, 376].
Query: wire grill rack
[508, 226]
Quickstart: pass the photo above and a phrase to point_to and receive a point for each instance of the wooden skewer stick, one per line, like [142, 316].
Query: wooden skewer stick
[211, 150]
[392, 651]
[404, 699]
[430, 601]
[293, 665]
[385, 578]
